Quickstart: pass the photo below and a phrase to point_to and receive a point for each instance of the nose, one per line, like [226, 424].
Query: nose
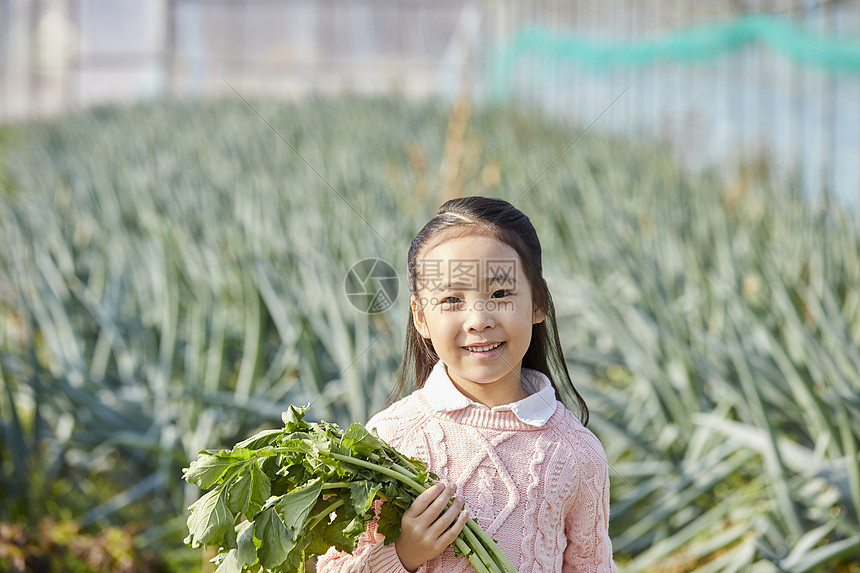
[479, 319]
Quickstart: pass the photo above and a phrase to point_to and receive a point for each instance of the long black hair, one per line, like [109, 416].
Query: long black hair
[469, 216]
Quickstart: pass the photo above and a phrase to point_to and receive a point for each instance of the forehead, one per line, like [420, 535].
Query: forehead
[471, 247]
[470, 262]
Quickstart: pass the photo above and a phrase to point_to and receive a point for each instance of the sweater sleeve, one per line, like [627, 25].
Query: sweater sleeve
[371, 555]
[589, 548]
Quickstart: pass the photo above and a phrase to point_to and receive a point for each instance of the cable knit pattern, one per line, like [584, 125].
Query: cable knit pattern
[533, 498]
[541, 492]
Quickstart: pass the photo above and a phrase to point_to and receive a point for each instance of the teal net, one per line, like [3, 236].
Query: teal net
[834, 53]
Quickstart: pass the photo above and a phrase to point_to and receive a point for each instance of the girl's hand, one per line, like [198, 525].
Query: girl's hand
[428, 528]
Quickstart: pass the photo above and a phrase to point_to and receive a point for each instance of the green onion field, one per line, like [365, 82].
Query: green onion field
[172, 279]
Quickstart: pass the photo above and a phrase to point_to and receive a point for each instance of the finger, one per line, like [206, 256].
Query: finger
[449, 517]
[450, 535]
[435, 509]
[423, 501]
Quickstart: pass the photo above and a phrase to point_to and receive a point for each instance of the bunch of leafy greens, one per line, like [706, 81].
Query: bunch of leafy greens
[308, 487]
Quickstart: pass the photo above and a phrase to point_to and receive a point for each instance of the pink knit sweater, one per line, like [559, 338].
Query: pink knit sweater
[541, 492]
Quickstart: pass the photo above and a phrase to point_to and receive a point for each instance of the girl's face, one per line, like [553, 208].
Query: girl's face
[475, 305]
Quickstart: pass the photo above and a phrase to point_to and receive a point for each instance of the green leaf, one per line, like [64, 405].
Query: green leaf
[246, 548]
[208, 468]
[230, 564]
[210, 520]
[321, 439]
[261, 489]
[249, 492]
[264, 438]
[330, 534]
[294, 419]
[239, 494]
[389, 522]
[355, 527]
[275, 541]
[359, 441]
[294, 443]
[297, 504]
[361, 494]
[842, 549]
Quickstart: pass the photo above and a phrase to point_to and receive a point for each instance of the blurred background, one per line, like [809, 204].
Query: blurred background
[184, 186]
[722, 80]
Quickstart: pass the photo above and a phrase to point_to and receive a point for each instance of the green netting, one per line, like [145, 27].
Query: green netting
[695, 44]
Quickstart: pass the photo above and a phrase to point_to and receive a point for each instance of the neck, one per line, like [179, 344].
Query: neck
[506, 390]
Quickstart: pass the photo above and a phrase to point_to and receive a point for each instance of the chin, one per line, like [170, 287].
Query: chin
[487, 374]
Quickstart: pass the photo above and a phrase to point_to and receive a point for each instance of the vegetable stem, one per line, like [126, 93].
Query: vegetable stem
[473, 558]
[327, 511]
[398, 468]
[383, 470]
[335, 485]
[477, 543]
[488, 542]
[480, 552]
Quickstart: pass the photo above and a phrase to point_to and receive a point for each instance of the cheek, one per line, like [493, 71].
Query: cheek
[442, 322]
[446, 326]
[525, 322]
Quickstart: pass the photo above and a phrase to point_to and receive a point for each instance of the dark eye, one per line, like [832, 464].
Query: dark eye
[501, 293]
[451, 303]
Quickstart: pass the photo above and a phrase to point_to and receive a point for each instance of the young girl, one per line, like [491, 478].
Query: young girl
[484, 351]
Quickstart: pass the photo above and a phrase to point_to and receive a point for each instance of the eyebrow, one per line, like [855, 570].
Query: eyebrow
[490, 280]
[501, 278]
[453, 286]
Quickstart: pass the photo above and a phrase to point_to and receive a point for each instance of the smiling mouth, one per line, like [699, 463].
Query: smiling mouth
[485, 348]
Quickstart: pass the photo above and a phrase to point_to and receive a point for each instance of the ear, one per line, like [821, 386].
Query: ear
[538, 316]
[418, 318]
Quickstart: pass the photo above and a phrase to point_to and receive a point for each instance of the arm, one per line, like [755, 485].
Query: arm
[586, 526]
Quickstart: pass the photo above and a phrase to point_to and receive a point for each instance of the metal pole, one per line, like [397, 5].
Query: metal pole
[828, 115]
[33, 96]
[831, 117]
[4, 66]
[169, 55]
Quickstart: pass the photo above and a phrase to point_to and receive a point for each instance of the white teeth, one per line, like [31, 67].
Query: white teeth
[483, 348]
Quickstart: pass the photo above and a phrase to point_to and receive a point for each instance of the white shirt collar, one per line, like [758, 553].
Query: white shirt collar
[535, 410]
